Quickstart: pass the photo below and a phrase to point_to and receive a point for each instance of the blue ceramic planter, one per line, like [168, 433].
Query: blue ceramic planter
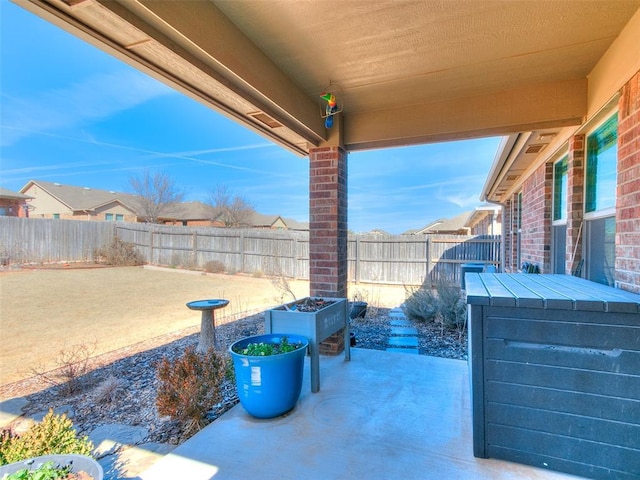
[269, 386]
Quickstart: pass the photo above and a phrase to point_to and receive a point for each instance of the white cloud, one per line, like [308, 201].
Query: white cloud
[461, 200]
[94, 98]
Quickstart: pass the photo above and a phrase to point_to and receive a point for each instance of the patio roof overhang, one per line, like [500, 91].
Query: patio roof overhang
[521, 153]
[407, 72]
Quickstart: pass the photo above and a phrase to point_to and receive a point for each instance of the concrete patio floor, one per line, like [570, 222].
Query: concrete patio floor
[383, 415]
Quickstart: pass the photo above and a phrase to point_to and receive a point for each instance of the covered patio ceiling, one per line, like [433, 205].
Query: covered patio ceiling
[406, 72]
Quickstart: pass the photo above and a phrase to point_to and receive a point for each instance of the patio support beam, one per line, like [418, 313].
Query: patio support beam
[554, 104]
[328, 218]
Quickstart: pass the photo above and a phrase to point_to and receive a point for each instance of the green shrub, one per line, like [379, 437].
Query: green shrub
[190, 386]
[421, 303]
[118, 253]
[54, 435]
[214, 266]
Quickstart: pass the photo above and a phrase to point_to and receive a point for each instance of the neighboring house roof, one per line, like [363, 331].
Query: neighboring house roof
[11, 195]
[455, 225]
[262, 220]
[188, 211]
[84, 199]
[295, 224]
[377, 231]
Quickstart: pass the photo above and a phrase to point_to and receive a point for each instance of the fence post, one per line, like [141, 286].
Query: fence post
[428, 258]
[294, 253]
[241, 247]
[151, 246]
[194, 250]
[356, 273]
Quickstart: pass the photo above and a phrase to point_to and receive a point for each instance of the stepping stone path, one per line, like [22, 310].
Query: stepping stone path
[404, 337]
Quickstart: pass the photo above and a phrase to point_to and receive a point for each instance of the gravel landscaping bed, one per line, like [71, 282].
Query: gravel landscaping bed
[121, 389]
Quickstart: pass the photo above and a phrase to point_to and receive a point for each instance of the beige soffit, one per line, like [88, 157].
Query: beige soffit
[513, 164]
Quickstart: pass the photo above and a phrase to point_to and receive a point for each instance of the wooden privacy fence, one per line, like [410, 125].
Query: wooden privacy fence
[399, 259]
[31, 240]
[243, 250]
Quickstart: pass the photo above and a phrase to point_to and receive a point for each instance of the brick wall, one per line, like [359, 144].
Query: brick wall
[13, 208]
[575, 201]
[628, 193]
[328, 222]
[486, 225]
[535, 242]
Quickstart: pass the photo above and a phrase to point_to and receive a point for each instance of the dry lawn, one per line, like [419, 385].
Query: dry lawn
[44, 312]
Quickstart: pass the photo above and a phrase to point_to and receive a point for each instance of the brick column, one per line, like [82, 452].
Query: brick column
[627, 271]
[575, 202]
[328, 222]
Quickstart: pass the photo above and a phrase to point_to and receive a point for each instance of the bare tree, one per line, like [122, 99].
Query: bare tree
[233, 211]
[157, 193]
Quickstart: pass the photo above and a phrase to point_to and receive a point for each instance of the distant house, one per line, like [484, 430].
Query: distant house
[276, 222]
[13, 204]
[450, 226]
[377, 231]
[190, 214]
[485, 220]
[54, 200]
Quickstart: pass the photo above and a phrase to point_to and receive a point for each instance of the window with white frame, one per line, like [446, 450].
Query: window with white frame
[559, 225]
[600, 201]
[108, 217]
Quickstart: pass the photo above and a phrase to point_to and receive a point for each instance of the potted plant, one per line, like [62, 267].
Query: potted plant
[358, 306]
[50, 467]
[269, 371]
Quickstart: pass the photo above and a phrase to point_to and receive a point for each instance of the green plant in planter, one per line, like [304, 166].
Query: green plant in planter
[263, 349]
[46, 471]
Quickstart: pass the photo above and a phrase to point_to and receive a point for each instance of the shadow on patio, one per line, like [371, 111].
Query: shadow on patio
[382, 415]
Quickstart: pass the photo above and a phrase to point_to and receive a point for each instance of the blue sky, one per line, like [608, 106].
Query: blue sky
[70, 113]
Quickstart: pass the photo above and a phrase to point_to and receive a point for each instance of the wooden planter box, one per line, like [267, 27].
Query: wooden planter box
[554, 363]
[316, 326]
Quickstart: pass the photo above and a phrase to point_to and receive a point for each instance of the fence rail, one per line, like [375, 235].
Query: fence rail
[399, 259]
